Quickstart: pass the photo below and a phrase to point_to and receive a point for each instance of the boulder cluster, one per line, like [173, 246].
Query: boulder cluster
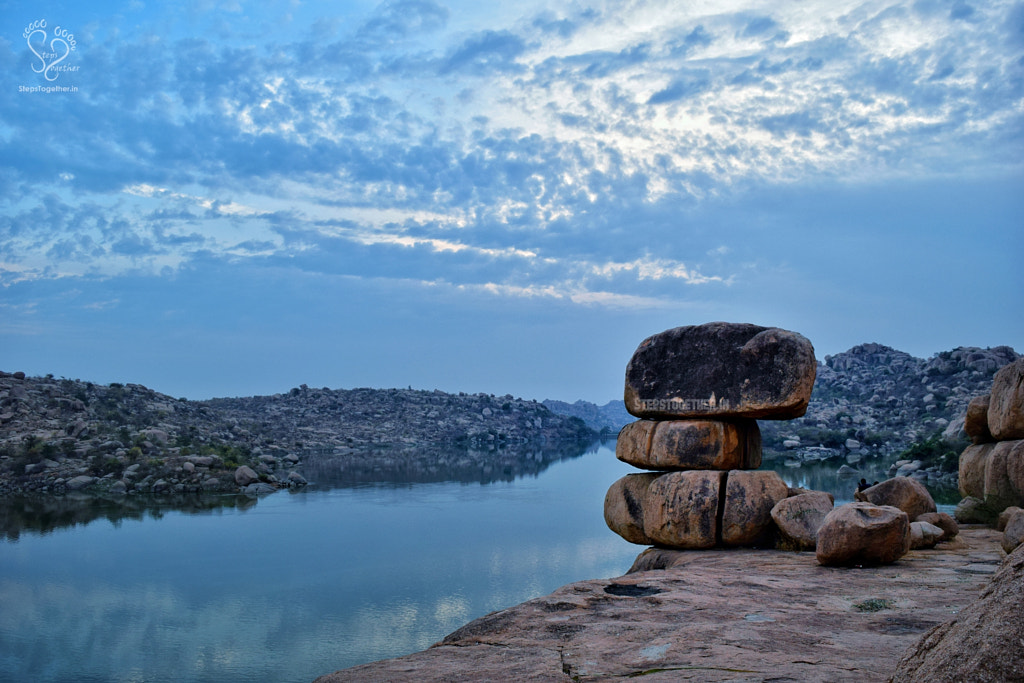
[697, 391]
[992, 467]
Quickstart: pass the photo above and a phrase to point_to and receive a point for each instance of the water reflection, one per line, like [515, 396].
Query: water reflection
[43, 514]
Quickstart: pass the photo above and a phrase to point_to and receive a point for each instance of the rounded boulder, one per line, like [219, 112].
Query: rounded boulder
[863, 534]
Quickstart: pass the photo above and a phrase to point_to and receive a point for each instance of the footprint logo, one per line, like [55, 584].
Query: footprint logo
[62, 45]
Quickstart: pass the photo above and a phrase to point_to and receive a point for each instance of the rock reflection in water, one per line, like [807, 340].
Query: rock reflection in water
[425, 465]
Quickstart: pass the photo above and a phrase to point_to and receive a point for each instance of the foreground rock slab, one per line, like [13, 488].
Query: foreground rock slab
[714, 615]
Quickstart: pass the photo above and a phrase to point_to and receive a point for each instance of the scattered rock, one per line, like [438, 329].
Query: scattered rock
[725, 370]
[245, 475]
[1004, 517]
[258, 489]
[79, 482]
[924, 535]
[799, 517]
[942, 520]
[1013, 532]
[904, 493]
[971, 510]
[863, 534]
[296, 479]
[1006, 405]
[983, 643]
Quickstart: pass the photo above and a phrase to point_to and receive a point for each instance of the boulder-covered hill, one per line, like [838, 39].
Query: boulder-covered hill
[60, 434]
[872, 399]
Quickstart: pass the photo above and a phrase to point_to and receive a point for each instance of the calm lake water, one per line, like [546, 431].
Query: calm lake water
[295, 585]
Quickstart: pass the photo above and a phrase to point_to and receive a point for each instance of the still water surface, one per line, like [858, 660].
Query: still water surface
[295, 585]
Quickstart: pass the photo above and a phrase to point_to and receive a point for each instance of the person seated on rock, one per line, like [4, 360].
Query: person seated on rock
[862, 485]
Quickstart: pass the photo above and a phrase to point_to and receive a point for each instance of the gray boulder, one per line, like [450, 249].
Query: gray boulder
[245, 475]
[949, 527]
[924, 535]
[863, 534]
[721, 370]
[799, 517]
[79, 482]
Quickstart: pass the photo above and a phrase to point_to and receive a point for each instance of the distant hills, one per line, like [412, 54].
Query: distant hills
[872, 399]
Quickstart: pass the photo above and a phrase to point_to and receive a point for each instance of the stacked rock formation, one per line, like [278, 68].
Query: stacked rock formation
[698, 392]
[992, 468]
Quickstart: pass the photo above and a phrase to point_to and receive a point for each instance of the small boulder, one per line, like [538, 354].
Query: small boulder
[1013, 533]
[258, 489]
[863, 534]
[245, 475]
[1006, 405]
[721, 370]
[972, 510]
[799, 517]
[940, 519]
[976, 419]
[624, 507]
[904, 493]
[747, 513]
[924, 535]
[79, 482]
[681, 509]
[296, 479]
[1004, 517]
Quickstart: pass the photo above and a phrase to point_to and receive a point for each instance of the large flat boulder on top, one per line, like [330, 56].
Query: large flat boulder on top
[721, 370]
[863, 534]
[1006, 405]
[690, 445]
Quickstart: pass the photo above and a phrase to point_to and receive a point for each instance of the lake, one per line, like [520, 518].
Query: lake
[295, 585]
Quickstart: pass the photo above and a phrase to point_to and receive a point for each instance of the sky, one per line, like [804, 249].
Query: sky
[234, 198]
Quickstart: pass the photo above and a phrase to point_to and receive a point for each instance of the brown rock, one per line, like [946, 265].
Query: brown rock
[799, 517]
[1006, 407]
[749, 499]
[904, 493]
[681, 509]
[721, 370]
[972, 470]
[1001, 491]
[690, 445]
[624, 507]
[1013, 533]
[940, 519]
[982, 643]
[1004, 517]
[924, 535]
[976, 420]
[863, 534]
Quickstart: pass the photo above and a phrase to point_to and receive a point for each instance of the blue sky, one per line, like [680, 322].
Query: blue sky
[234, 198]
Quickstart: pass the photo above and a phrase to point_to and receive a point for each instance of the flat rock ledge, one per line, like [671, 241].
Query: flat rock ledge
[715, 615]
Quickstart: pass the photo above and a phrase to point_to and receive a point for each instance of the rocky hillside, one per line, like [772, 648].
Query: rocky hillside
[869, 401]
[607, 419]
[63, 434]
